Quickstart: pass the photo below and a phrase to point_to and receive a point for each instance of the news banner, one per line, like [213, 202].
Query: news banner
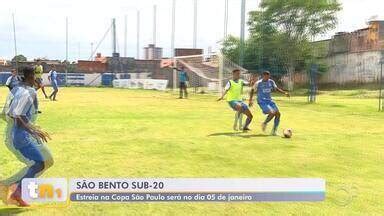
[174, 190]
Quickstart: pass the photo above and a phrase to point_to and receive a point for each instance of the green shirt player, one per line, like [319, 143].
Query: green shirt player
[233, 90]
[38, 77]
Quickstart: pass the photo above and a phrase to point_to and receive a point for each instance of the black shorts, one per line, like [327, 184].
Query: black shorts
[183, 85]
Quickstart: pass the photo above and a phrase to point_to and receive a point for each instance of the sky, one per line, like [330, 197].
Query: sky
[40, 24]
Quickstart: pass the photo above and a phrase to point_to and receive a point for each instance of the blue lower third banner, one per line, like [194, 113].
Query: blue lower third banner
[198, 190]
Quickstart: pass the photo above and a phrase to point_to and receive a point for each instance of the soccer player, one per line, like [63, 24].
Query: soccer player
[39, 80]
[52, 77]
[183, 79]
[13, 80]
[23, 137]
[263, 88]
[233, 91]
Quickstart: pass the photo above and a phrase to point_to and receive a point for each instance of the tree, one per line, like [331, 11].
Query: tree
[19, 58]
[281, 33]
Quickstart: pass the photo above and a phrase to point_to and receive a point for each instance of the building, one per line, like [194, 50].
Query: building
[91, 66]
[152, 52]
[350, 57]
[370, 38]
[100, 58]
[188, 52]
[3, 62]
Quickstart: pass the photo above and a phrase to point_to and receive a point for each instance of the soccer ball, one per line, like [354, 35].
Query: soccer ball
[287, 133]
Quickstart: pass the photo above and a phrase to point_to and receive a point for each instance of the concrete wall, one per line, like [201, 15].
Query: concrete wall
[359, 67]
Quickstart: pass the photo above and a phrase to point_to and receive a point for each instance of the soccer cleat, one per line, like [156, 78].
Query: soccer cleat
[246, 129]
[263, 127]
[274, 133]
[16, 196]
[235, 127]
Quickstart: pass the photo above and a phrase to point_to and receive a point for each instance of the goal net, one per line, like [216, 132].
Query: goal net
[207, 72]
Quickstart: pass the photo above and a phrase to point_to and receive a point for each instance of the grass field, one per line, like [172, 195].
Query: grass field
[102, 132]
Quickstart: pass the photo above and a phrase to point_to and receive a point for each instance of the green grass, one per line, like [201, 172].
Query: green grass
[101, 132]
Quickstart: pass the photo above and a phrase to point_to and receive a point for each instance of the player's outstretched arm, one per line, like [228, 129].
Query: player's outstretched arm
[282, 91]
[223, 95]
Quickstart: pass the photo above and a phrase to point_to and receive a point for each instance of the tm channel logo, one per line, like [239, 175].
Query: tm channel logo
[44, 190]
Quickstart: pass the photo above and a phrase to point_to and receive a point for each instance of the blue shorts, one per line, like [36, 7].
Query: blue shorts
[233, 105]
[54, 85]
[21, 138]
[268, 106]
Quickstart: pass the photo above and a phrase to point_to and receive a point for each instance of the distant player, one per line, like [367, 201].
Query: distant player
[24, 138]
[38, 75]
[183, 79]
[52, 77]
[233, 91]
[263, 88]
[13, 80]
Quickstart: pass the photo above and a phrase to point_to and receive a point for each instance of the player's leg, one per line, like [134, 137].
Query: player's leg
[240, 119]
[268, 119]
[54, 96]
[185, 91]
[245, 110]
[43, 90]
[54, 93]
[248, 121]
[276, 123]
[266, 109]
[237, 114]
[277, 118]
[37, 85]
[37, 159]
[180, 90]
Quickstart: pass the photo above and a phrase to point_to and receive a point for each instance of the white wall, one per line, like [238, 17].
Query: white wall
[361, 67]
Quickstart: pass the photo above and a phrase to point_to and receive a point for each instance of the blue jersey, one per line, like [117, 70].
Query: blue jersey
[183, 76]
[264, 89]
[53, 76]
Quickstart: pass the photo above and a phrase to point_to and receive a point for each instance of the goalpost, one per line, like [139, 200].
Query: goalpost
[207, 72]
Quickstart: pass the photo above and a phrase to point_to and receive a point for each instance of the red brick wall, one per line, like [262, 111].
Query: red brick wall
[91, 67]
[187, 51]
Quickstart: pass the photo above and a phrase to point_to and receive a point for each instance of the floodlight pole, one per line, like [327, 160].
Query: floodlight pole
[125, 35]
[225, 19]
[14, 40]
[66, 51]
[195, 24]
[114, 35]
[242, 33]
[138, 36]
[173, 43]
[154, 24]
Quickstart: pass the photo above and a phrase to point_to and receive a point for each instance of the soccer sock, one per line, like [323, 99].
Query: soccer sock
[247, 122]
[268, 119]
[236, 120]
[240, 119]
[276, 123]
